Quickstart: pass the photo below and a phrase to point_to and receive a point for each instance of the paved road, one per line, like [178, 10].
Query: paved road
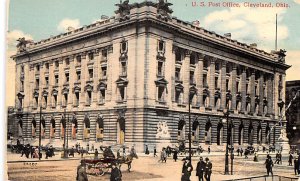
[144, 168]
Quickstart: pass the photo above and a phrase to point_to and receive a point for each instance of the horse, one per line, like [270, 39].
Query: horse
[126, 160]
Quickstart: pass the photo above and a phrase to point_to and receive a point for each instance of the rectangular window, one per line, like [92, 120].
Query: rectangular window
[205, 64]
[216, 82]
[65, 99]
[56, 64]
[104, 54]
[45, 101]
[205, 80]
[178, 97]
[161, 46]
[177, 74]
[22, 85]
[227, 69]
[160, 95]
[22, 69]
[47, 81]
[78, 73]
[36, 101]
[121, 93]
[37, 83]
[123, 47]
[227, 85]
[160, 68]
[78, 60]
[55, 100]
[91, 56]
[67, 77]
[178, 56]
[192, 59]
[102, 96]
[104, 72]
[124, 68]
[56, 80]
[255, 90]
[237, 87]
[89, 97]
[91, 73]
[76, 98]
[67, 61]
[192, 80]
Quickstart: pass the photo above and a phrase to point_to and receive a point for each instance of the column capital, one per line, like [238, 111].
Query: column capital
[201, 56]
[213, 60]
[187, 52]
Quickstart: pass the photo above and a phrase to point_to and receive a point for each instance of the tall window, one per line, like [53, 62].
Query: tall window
[47, 81]
[237, 87]
[217, 67]
[104, 54]
[192, 80]
[45, 101]
[178, 57]
[177, 74]
[67, 77]
[102, 96]
[56, 79]
[205, 80]
[65, 99]
[78, 74]
[89, 97]
[22, 85]
[161, 94]
[104, 71]
[56, 63]
[54, 100]
[123, 68]
[91, 56]
[91, 73]
[216, 82]
[124, 47]
[78, 59]
[37, 83]
[192, 59]
[160, 68]
[76, 98]
[227, 84]
[121, 93]
[161, 46]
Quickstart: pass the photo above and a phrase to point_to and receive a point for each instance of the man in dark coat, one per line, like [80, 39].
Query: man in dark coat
[296, 166]
[269, 165]
[175, 155]
[200, 169]
[116, 174]
[154, 152]
[241, 151]
[291, 159]
[81, 172]
[208, 169]
[187, 169]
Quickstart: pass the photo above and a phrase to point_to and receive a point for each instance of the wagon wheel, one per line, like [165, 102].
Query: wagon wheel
[101, 169]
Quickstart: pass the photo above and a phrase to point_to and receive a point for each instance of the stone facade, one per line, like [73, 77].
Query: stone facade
[115, 80]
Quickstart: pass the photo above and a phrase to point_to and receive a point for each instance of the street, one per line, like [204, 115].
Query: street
[144, 168]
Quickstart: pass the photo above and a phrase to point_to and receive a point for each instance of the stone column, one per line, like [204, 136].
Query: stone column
[252, 92]
[84, 78]
[61, 81]
[233, 85]
[283, 96]
[73, 78]
[261, 94]
[199, 79]
[270, 95]
[186, 76]
[96, 76]
[243, 90]
[51, 83]
[223, 85]
[212, 82]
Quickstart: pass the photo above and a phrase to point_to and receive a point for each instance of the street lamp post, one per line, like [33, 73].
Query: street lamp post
[226, 114]
[64, 121]
[40, 135]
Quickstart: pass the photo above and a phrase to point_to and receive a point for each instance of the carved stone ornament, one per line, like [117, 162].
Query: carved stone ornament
[163, 10]
[162, 130]
[22, 45]
[124, 10]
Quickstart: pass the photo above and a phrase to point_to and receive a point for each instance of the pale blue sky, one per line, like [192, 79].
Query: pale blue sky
[39, 19]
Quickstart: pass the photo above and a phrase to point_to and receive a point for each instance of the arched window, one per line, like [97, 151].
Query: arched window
[52, 128]
[86, 127]
[195, 132]
[99, 128]
[181, 129]
[20, 127]
[208, 132]
[259, 134]
[62, 127]
[43, 128]
[74, 127]
[220, 133]
[268, 132]
[33, 127]
[241, 133]
[250, 134]
[121, 130]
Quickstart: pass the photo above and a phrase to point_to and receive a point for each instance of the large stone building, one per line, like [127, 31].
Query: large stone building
[128, 79]
[293, 113]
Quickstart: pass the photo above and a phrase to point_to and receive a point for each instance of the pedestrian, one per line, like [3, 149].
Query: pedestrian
[208, 149]
[208, 169]
[124, 151]
[82, 151]
[241, 151]
[291, 159]
[81, 172]
[264, 149]
[96, 154]
[93, 148]
[201, 165]
[255, 157]
[246, 153]
[277, 158]
[269, 164]
[187, 169]
[280, 158]
[87, 147]
[133, 152]
[238, 151]
[175, 155]
[296, 166]
[146, 150]
[154, 152]
[116, 174]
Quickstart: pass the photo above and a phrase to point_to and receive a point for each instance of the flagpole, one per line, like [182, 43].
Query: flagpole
[276, 34]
